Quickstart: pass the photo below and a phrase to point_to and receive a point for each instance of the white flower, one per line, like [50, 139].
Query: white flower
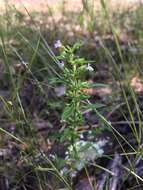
[57, 44]
[61, 64]
[63, 171]
[81, 136]
[89, 67]
[60, 91]
[24, 63]
[52, 156]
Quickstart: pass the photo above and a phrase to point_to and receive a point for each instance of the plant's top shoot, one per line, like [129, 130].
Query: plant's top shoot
[73, 78]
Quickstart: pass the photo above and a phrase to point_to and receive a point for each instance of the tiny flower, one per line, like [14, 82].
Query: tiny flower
[24, 63]
[57, 44]
[89, 67]
[63, 171]
[61, 64]
[60, 91]
[81, 136]
[52, 156]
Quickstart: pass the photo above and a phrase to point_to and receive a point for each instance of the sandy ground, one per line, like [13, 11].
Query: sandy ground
[41, 5]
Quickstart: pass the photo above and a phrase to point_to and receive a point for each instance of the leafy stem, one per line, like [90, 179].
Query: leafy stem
[74, 69]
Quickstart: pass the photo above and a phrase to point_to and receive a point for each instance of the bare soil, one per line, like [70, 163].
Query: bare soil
[73, 5]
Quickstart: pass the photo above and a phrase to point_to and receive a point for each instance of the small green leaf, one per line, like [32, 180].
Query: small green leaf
[93, 85]
[67, 112]
[95, 106]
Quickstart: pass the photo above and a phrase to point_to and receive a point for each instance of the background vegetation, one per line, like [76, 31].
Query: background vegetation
[71, 97]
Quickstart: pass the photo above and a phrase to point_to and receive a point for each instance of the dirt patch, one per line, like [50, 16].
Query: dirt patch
[73, 5]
